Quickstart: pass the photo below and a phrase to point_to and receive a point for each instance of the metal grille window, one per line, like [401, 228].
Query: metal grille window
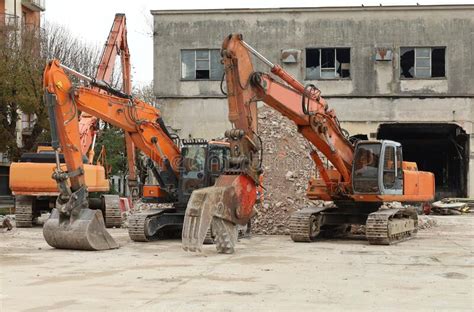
[201, 65]
[423, 62]
[328, 63]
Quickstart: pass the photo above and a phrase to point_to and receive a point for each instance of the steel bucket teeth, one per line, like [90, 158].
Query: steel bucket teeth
[197, 220]
[225, 235]
[84, 232]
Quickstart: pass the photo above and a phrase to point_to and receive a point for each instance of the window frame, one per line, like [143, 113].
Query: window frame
[414, 62]
[209, 50]
[335, 60]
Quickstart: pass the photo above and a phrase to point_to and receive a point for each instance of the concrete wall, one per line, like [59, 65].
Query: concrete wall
[361, 29]
[196, 117]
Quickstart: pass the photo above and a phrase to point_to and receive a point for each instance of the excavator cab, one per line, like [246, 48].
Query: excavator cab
[378, 168]
[193, 170]
[202, 163]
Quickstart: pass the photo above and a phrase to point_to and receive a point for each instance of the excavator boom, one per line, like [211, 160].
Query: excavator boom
[231, 200]
[116, 45]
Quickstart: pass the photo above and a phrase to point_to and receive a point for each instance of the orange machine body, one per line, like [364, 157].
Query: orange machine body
[35, 179]
[153, 191]
[418, 186]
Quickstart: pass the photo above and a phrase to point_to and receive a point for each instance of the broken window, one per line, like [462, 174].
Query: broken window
[328, 63]
[422, 62]
[201, 65]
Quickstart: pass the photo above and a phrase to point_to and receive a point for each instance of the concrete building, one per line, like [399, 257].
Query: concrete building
[400, 72]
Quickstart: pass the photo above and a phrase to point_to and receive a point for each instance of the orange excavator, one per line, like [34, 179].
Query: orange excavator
[367, 181]
[39, 192]
[179, 166]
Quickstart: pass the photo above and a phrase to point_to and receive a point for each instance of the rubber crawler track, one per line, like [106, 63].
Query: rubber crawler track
[113, 215]
[300, 227]
[24, 211]
[377, 228]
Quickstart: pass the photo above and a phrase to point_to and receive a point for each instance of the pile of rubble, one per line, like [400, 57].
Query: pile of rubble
[287, 169]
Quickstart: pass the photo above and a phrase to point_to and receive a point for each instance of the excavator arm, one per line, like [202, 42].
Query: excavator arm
[231, 200]
[116, 45]
[73, 225]
[303, 105]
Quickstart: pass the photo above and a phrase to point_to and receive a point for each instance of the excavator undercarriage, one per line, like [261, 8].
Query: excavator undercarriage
[155, 224]
[389, 224]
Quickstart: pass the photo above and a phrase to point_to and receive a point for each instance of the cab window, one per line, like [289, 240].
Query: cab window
[389, 167]
[366, 168]
[399, 162]
[194, 158]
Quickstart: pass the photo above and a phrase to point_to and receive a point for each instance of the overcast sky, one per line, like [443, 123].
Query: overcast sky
[92, 19]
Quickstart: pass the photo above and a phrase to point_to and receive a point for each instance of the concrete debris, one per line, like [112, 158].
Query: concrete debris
[6, 223]
[452, 206]
[426, 222]
[287, 169]
[392, 205]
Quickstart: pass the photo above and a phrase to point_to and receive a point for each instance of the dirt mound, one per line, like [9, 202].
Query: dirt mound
[287, 169]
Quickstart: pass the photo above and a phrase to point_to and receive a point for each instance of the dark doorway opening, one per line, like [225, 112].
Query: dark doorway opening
[439, 148]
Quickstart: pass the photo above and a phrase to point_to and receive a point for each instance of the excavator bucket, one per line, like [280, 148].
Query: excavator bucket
[86, 231]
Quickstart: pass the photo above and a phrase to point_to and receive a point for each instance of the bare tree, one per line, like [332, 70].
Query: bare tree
[145, 93]
[59, 43]
[23, 55]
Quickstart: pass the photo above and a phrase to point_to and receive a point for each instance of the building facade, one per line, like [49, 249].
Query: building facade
[401, 72]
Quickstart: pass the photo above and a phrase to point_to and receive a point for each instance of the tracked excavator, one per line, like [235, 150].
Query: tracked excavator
[367, 181]
[39, 192]
[179, 166]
